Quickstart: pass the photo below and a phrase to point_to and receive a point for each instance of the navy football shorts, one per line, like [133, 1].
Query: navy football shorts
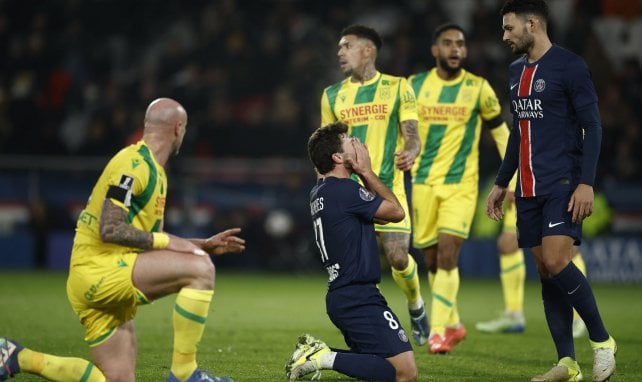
[546, 215]
[366, 322]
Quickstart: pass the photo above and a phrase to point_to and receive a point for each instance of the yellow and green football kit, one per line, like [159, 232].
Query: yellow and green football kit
[373, 111]
[99, 286]
[446, 172]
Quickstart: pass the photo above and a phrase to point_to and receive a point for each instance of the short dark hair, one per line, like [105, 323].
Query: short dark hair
[446, 27]
[525, 7]
[362, 31]
[324, 142]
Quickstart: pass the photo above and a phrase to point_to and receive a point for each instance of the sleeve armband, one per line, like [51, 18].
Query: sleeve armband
[494, 122]
[160, 240]
[122, 192]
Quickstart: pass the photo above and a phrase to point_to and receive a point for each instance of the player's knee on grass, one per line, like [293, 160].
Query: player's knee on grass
[405, 367]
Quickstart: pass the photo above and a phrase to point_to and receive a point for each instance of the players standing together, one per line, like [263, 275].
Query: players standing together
[553, 144]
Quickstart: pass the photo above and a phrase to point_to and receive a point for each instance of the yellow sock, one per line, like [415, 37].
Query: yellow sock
[581, 265]
[453, 319]
[190, 314]
[444, 297]
[58, 368]
[512, 274]
[408, 281]
[431, 279]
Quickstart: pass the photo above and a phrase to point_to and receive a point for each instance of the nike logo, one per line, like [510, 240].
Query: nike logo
[574, 290]
[513, 86]
[551, 224]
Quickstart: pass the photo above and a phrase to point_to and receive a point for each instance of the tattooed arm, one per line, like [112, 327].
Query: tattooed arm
[405, 158]
[115, 229]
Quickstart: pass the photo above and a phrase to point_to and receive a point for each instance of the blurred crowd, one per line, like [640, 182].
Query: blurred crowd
[76, 75]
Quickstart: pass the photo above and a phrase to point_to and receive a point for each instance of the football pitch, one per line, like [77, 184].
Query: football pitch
[255, 320]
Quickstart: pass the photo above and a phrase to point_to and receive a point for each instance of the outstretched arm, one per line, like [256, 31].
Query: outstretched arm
[222, 242]
[115, 229]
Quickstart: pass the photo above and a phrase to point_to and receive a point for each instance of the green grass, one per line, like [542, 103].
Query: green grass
[255, 320]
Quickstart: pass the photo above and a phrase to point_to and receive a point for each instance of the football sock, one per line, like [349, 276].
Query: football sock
[190, 314]
[576, 288]
[408, 281]
[444, 297]
[453, 319]
[56, 368]
[366, 367]
[431, 279]
[512, 275]
[579, 263]
[559, 317]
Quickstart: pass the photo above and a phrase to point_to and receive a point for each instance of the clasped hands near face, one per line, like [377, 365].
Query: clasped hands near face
[356, 156]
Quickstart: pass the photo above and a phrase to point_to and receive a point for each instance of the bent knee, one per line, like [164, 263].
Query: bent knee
[203, 273]
[399, 260]
[407, 374]
[507, 243]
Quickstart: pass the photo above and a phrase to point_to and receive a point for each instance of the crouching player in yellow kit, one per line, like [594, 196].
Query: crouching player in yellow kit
[121, 258]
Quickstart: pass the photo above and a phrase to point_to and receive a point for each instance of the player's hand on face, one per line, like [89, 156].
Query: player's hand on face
[494, 203]
[581, 203]
[404, 160]
[224, 242]
[360, 161]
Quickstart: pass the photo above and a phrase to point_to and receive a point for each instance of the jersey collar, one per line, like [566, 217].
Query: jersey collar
[369, 82]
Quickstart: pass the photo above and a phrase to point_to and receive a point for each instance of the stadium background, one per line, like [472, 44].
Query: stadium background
[76, 76]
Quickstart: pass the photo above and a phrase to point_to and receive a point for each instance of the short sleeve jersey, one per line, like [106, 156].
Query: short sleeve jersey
[342, 212]
[373, 112]
[135, 182]
[450, 119]
[545, 96]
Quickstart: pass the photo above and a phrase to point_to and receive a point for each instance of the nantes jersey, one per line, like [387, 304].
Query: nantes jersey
[132, 180]
[450, 119]
[547, 140]
[373, 112]
[342, 213]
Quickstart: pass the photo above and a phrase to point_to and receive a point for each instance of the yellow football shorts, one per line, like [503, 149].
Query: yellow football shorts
[510, 218]
[101, 291]
[403, 226]
[443, 208]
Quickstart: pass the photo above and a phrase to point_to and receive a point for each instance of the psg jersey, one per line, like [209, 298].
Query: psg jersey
[342, 213]
[546, 96]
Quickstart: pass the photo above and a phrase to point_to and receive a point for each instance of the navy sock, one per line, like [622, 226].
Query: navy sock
[559, 316]
[366, 367]
[577, 290]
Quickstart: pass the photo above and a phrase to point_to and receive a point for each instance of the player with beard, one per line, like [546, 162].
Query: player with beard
[555, 144]
[452, 104]
[381, 111]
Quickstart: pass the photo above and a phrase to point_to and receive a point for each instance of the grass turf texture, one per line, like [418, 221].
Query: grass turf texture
[255, 320]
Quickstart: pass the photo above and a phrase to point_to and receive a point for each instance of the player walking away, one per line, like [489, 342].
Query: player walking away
[452, 104]
[343, 215]
[555, 143]
[121, 258]
[380, 110]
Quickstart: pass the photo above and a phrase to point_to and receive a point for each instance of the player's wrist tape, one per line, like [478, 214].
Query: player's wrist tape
[160, 240]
